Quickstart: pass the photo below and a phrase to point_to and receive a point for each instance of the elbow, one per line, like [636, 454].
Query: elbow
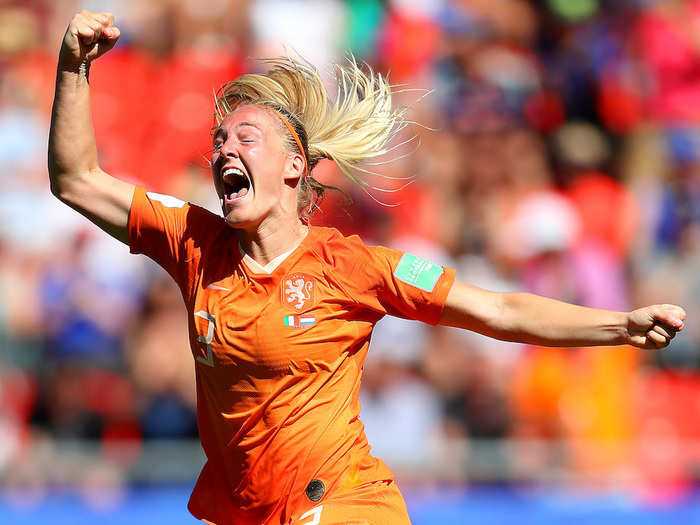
[506, 317]
[65, 187]
[67, 178]
[56, 179]
[58, 190]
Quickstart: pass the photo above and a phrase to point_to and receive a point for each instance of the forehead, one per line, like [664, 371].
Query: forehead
[250, 115]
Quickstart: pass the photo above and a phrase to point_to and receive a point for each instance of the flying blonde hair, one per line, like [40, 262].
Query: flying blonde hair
[358, 126]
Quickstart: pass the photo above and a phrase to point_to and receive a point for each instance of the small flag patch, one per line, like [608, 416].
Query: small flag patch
[297, 321]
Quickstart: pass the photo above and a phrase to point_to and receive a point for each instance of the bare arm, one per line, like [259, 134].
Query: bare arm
[75, 175]
[532, 319]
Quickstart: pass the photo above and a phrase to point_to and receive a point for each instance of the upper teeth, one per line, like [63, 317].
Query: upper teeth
[233, 171]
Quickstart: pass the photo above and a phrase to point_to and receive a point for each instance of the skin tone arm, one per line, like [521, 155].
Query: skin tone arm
[532, 319]
[75, 175]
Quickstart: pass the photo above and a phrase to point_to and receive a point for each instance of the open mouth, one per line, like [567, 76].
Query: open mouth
[236, 185]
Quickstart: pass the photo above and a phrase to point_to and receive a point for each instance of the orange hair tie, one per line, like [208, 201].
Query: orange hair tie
[294, 136]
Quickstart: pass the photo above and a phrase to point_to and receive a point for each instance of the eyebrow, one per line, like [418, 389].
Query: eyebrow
[220, 131]
[252, 125]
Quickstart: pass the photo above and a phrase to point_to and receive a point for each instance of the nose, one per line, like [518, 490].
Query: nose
[228, 150]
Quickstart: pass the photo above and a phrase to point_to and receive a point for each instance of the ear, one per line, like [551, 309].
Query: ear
[294, 168]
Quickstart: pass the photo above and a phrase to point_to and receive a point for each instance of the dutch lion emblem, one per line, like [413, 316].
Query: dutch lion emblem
[298, 291]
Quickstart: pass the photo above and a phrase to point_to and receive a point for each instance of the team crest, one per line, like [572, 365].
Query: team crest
[298, 291]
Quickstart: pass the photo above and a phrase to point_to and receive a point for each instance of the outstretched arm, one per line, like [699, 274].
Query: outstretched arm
[75, 175]
[532, 319]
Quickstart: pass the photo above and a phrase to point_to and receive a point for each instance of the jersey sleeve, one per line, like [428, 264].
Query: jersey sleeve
[399, 283]
[168, 231]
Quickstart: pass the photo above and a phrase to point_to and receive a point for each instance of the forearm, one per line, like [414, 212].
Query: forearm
[532, 319]
[75, 175]
[528, 318]
[72, 149]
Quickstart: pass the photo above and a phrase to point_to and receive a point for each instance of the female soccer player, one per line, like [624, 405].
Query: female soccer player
[281, 312]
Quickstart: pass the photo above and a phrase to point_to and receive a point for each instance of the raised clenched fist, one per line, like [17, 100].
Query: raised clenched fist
[89, 35]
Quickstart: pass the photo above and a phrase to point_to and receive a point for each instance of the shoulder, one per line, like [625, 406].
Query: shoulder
[207, 232]
[349, 259]
[194, 215]
[153, 214]
[331, 246]
[164, 200]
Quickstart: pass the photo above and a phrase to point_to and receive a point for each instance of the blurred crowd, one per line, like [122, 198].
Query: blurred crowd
[558, 152]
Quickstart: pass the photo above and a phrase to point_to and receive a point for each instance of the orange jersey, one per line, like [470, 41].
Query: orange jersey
[279, 356]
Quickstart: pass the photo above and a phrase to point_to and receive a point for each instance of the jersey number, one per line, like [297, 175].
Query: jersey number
[316, 513]
[209, 360]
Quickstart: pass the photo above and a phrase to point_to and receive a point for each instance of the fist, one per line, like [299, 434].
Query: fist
[654, 326]
[89, 35]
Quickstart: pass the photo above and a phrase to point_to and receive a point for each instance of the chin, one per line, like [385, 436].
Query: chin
[235, 219]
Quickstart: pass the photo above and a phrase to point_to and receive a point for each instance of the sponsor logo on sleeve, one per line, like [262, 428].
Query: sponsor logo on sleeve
[418, 272]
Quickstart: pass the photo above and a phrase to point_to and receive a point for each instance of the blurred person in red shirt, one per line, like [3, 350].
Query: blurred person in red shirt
[666, 38]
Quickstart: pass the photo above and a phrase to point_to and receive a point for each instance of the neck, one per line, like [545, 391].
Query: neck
[267, 241]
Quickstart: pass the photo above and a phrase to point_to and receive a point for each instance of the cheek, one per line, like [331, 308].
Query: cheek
[261, 162]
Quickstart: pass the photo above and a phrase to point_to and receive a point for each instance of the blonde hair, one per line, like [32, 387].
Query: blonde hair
[356, 127]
